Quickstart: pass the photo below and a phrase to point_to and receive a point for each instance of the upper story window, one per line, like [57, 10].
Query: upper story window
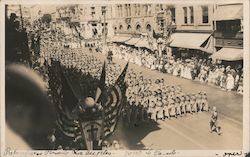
[172, 10]
[228, 27]
[118, 10]
[126, 10]
[205, 14]
[157, 7]
[129, 10]
[92, 11]
[129, 28]
[121, 27]
[149, 9]
[191, 9]
[185, 14]
[146, 9]
[139, 10]
[138, 28]
[135, 5]
[121, 10]
[103, 9]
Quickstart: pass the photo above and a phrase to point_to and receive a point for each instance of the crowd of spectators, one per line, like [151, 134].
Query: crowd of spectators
[205, 70]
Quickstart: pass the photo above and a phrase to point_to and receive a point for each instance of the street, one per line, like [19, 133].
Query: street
[191, 132]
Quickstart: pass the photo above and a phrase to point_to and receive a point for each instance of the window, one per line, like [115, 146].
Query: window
[139, 10]
[129, 28]
[172, 10]
[185, 14]
[118, 10]
[228, 27]
[120, 27]
[157, 8]
[191, 9]
[121, 11]
[138, 28]
[149, 28]
[103, 9]
[204, 14]
[129, 10]
[135, 9]
[149, 9]
[126, 10]
[146, 9]
[92, 11]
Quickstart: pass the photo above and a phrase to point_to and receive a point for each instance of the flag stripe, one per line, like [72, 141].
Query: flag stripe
[114, 107]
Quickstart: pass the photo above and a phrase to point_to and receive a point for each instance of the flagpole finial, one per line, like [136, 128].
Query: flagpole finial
[89, 102]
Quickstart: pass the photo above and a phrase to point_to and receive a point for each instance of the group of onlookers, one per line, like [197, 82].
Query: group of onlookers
[227, 77]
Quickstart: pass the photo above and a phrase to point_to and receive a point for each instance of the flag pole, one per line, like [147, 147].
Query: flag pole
[21, 15]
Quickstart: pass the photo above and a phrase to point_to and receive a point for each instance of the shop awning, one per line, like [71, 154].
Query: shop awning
[120, 38]
[143, 43]
[188, 40]
[228, 54]
[229, 12]
[132, 41]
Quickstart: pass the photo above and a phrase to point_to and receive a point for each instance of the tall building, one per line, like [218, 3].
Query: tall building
[88, 18]
[135, 24]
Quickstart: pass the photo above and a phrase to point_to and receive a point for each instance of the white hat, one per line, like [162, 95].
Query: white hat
[214, 108]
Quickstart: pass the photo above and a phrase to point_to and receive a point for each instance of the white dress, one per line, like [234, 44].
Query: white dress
[230, 82]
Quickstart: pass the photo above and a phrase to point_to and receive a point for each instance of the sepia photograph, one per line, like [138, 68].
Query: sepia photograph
[124, 76]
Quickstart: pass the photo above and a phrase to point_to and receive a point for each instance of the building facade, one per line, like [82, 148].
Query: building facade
[194, 29]
[141, 18]
[88, 18]
[229, 32]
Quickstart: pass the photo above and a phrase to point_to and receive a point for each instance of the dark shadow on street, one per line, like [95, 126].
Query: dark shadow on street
[132, 136]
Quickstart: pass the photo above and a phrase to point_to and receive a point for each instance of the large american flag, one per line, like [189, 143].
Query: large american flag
[65, 120]
[64, 100]
[114, 104]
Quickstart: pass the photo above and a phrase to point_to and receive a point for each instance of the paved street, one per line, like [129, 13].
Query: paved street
[191, 132]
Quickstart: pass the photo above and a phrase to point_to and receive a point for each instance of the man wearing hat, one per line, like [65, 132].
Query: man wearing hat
[214, 122]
